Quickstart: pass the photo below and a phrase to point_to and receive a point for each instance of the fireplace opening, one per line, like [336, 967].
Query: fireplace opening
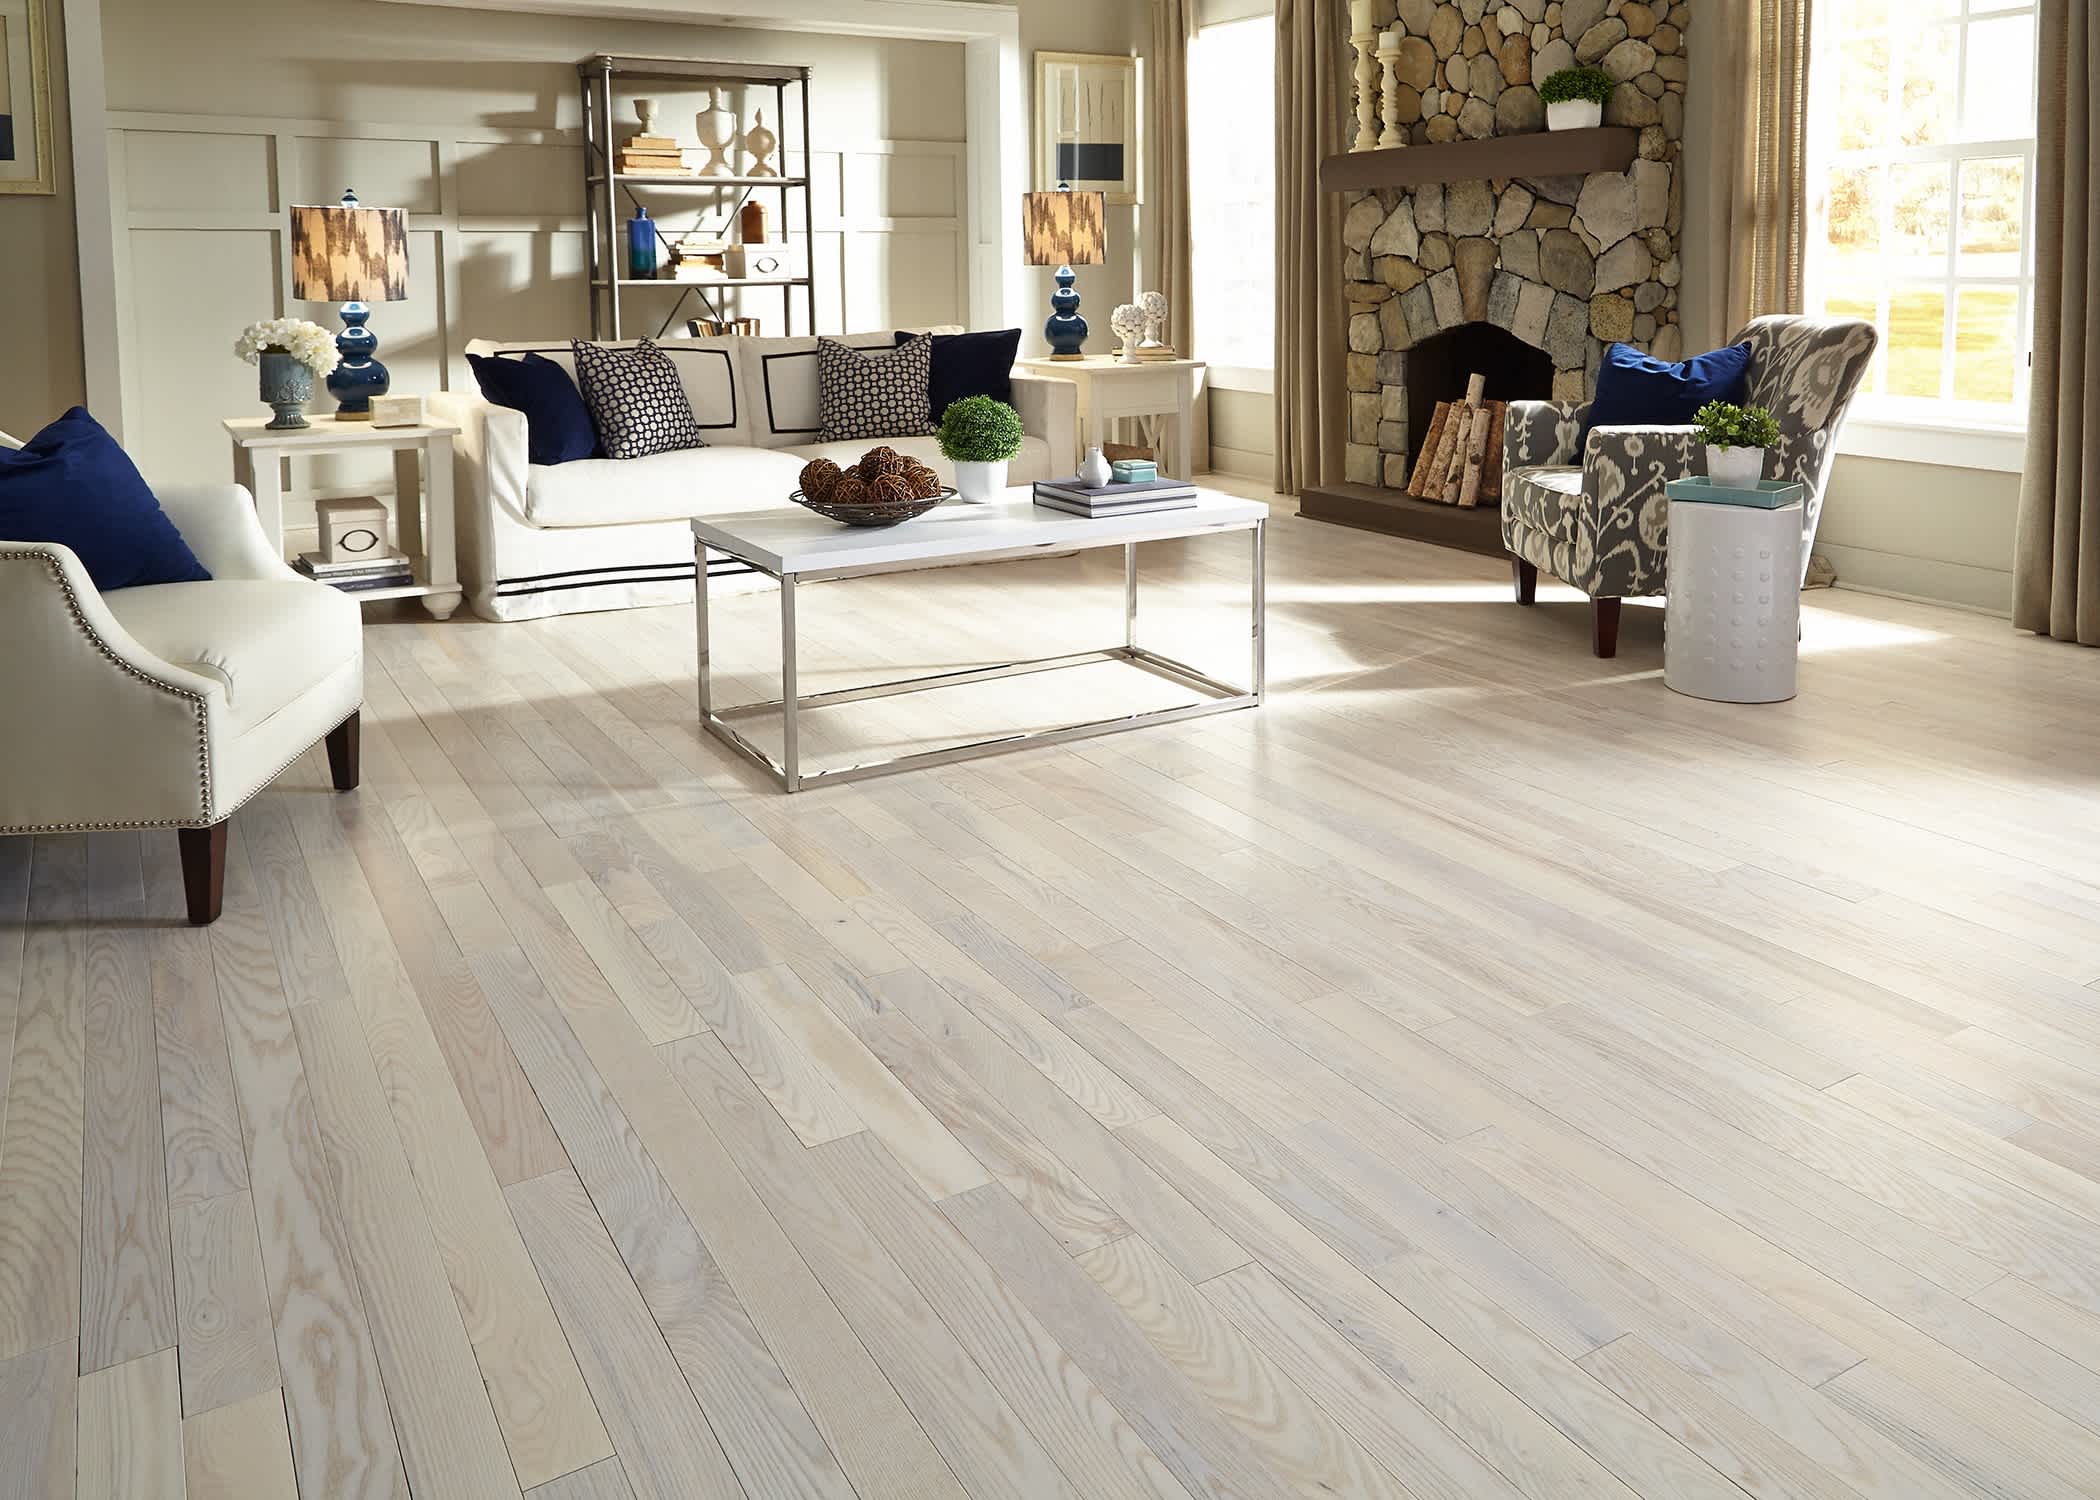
[1440, 365]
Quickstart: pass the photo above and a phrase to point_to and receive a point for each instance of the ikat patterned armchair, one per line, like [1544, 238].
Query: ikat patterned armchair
[1599, 520]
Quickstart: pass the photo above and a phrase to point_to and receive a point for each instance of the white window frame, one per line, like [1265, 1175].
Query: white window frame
[1937, 429]
[1258, 379]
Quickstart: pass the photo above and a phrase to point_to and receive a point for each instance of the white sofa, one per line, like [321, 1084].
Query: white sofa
[537, 540]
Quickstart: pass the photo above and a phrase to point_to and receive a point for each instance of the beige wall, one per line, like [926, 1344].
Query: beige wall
[1243, 433]
[39, 286]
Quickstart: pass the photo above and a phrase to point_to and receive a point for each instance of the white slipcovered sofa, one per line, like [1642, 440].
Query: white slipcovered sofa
[537, 540]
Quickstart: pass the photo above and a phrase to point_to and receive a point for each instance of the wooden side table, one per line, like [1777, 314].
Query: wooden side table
[1109, 389]
[422, 492]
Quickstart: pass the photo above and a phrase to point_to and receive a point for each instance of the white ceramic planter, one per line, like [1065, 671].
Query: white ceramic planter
[1574, 114]
[1739, 468]
[981, 484]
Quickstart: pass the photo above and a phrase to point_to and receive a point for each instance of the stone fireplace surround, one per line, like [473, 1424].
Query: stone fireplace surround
[1565, 264]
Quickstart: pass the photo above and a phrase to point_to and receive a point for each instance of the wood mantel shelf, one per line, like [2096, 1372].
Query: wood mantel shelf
[1537, 153]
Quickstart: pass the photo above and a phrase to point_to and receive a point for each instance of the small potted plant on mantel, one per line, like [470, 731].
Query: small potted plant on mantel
[1736, 438]
[1575, 98]
[978, 434]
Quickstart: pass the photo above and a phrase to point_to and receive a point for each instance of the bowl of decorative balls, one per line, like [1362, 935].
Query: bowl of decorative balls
[884, 488]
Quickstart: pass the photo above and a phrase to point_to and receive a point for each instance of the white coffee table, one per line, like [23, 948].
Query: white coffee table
[797, 546]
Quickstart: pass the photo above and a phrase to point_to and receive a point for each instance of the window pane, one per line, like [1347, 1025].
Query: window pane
[1998, 93]
[1986, 324]
[1853, 212]
[1927, 56]
[1918, 224]
[1993, 201]
[1863, 103]
[1917, 340]
[1232, 192]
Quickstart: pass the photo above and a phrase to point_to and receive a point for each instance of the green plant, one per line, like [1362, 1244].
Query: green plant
[979, 430]
[1593, 84]
[1725, 425]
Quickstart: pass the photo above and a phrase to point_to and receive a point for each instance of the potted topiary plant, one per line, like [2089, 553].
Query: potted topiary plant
[1575, 98]
[978, 435]
[1736, 438]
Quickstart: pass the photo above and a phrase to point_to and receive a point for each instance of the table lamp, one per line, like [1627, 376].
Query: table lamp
[351, 254]
[1064, 229]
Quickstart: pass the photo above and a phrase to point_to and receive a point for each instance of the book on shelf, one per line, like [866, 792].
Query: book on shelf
[656, 143]
[1116, 508]
[389, 571]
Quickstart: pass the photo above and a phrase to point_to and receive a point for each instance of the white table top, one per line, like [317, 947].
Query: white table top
[323, 430]
[788, 539]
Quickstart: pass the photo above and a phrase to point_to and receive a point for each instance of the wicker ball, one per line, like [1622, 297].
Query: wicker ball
[847, 489]
[891, 489]
[818, 476]
[923, 481]
[877, 462]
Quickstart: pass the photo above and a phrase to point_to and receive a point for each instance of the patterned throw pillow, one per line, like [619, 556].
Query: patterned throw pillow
[874, 393]
[635, 400]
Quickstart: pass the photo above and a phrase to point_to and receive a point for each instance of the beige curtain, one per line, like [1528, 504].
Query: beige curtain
[1311, 40]
[1166, 259]
[1757, 181]
[2056, 562]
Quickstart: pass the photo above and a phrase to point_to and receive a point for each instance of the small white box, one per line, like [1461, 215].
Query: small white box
[397, 411]
[353, 528]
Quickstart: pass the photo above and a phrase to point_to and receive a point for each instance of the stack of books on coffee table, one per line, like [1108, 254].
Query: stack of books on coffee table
[1076, 497]
[354, 575]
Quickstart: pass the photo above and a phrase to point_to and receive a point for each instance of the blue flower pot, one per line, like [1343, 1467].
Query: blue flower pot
[287, 386]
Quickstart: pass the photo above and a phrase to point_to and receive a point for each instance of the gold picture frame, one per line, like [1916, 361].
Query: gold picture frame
[1086, 123]
[26, 142]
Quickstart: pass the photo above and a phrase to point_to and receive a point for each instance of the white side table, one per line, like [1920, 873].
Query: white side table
[1732, 617]
[422, 492]
[1109, 389]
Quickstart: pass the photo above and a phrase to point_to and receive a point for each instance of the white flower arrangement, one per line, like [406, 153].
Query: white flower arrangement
[309, 343]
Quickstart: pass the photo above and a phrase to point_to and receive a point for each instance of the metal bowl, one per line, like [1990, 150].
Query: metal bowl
[873, 513]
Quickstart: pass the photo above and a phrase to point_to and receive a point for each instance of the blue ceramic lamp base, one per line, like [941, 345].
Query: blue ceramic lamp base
[1066, 330]
[359, 377]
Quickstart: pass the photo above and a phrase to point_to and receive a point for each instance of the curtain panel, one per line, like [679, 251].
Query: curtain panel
[1311, 47]
[2056, 559]
[1757, 180]
[1166, 260]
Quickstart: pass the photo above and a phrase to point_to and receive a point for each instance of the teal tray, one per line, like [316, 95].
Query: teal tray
[1769, 494]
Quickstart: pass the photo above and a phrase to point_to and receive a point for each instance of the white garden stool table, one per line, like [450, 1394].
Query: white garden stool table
[1732, 613]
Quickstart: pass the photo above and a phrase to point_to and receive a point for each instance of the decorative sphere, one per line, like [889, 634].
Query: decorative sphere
[818, 477]
[848, 490]
[877, 462]
[890, 489]
[925, 483]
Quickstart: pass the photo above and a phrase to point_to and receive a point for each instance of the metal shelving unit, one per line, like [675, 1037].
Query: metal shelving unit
[606, 190]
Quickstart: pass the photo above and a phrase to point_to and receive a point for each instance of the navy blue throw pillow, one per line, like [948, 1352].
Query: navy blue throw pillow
[1639, 390]
[971, 364]
[71, 483]
[558, 426]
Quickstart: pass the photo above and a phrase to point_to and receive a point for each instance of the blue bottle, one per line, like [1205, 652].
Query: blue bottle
[641, 245]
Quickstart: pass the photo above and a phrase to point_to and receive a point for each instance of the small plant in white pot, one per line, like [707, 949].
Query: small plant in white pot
[1736, 438]
[979, 435]
[1575, 98]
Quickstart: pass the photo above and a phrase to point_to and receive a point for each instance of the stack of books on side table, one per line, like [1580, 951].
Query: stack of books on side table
[352, 575]
[1076, 497]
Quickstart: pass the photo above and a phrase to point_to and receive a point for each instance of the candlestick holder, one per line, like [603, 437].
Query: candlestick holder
[1366, 45]
[1389, 89]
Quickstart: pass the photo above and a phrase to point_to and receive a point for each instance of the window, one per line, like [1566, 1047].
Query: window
[1921, 163]
[1232, 199]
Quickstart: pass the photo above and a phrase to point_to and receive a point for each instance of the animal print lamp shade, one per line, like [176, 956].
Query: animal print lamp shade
[1064, 228]
[349, 253]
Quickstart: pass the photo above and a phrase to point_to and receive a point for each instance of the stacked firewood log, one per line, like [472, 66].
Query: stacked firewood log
[1461, 460]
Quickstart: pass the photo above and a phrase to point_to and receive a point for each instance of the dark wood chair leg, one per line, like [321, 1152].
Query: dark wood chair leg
[342, 754]
[203, 871]
[1527, 579]
[1604, 627]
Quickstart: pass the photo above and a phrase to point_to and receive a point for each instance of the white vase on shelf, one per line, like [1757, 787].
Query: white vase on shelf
[716, 128]
[760, 143]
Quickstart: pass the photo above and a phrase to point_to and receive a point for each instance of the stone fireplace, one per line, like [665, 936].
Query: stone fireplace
[1477, 249]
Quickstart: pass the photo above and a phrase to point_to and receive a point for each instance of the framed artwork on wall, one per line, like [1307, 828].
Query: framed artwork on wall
[25, 99]
[1085, 123]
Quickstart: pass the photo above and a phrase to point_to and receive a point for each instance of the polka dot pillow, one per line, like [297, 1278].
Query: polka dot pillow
[874, 393]
[635, 400]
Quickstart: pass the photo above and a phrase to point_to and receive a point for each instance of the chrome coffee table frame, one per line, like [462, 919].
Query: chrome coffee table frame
[1221, 696]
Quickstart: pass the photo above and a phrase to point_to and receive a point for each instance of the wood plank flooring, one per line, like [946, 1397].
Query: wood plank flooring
[1480, 1074]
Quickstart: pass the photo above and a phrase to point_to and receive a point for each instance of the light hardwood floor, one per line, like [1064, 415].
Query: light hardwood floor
[1480, 1073]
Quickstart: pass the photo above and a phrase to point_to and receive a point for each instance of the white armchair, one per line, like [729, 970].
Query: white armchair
[169, 706]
